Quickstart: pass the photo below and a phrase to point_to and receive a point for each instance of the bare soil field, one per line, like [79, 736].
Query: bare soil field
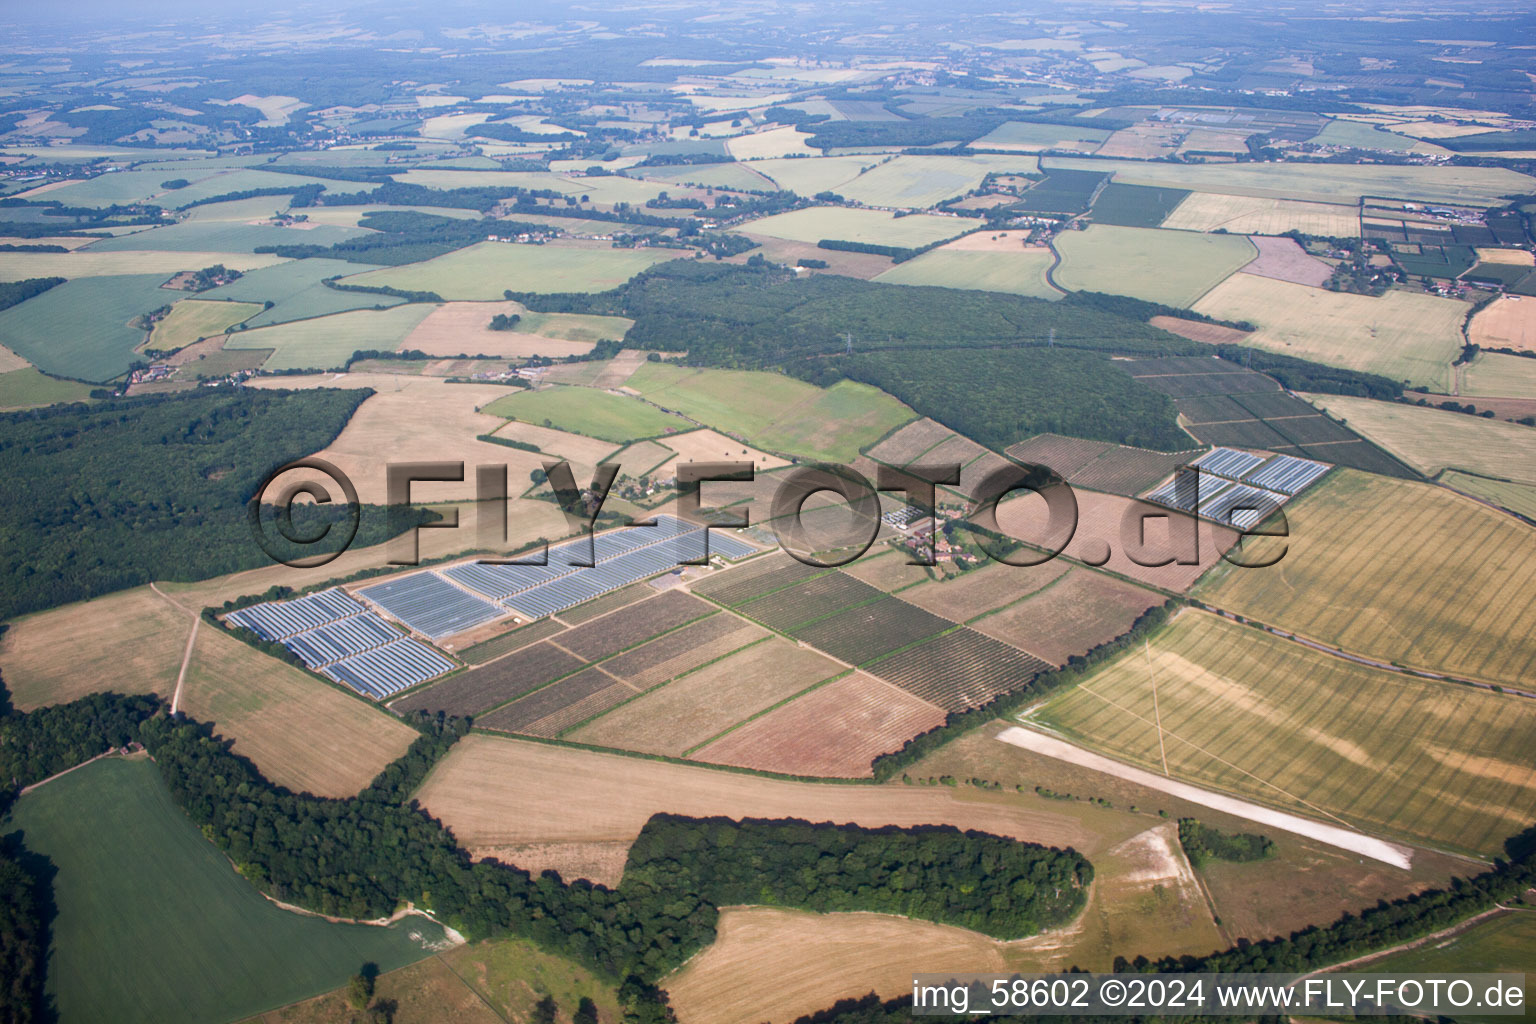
[887, 570]
[628, 626]
[1506, 322]
[1284, 260]
[1194, 330]
[979, 591]
[835, 730]
[497, 793]
[1070, 617]
[1100, 531]
[556, 707]
[130, 642]
[464, 327]
[300, 732]
[689, 710]
[912, 441]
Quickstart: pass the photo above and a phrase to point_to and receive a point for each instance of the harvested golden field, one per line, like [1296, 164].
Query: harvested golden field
[1253, 215]
[456, 328]
[1397, 571]
[583, 452]
[772, 964]
[1509, 257]
[1431, 440]
[1406, 336]
[11, 361]
[1493, 374]
[130, 642]
[1242, 710]
[695, 707]
[1195, 330]
[300, 732]
[836, 730]
[499, 793]
[1102, 521]
[1506, 322]
[18, 266]
[705, 445]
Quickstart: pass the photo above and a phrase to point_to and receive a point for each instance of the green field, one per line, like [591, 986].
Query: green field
[875, 227]
[28, 387]
[1496, 374]
[1363, 136]
[1397, 571]
[326, 342]
[192, 319]
[1431, 440]
[1136, 206]
[1026, 135]
[486, 270]
[1504, 944]
[598, 414]
[1323, 183]
[135, 186]
[1022, 272]
[808, 175]
[80, 328]
[918, 182]
[225, 236]
[774, 412]
[1248, 712]
[155, 925]
[731, 175]
[296, 293]
[1172, 267]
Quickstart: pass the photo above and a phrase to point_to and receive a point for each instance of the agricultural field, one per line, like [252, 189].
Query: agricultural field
[1135, 206]
[683, 650]
[836, 730]
[1316, 182]
[959, 670]
[807, 176]
[131, 642]
[299, 732]
[1406, 336]
[80, 328]
[1502, 944]
[866, 632]
[192, 320]
[144, 902]
[1358, 576]
[1496, 375]
[876, 227]
[1018, 271]
[549, 803]
[482, 272]
[1257, 215]
[980, 591]
[210, 235]
[1175, 268]
[551, 710]
[809, 601]
[514, 639]
[1431, 440]
[464, 327]
[918, 182]
[493, 684]
[777, 413]
[327, 342]
[295, 290]
[26, 388]
[1507, 322]
[583, 452]
[86, 263]
[704, 702]
[701, 445]
[1284, 260]
[1517, 498]
[1027, 137]
[1069, 617]
[1245, 711]
[598, 414]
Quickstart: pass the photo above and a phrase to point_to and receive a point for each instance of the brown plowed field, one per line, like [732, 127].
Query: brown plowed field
[1073, 616]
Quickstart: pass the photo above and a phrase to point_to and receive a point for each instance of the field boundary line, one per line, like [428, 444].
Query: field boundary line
[1157, 713]
[845, 673]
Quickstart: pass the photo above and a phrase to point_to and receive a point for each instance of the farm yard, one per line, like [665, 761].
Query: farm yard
[130, 865]
[1404, 336]
[1475, 623]
[1175, 268]
[1255, 714]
